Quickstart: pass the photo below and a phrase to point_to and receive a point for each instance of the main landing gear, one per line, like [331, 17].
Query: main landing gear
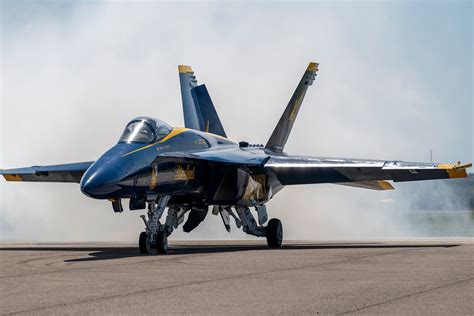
[274, 233]
[156, 234]
[244, 218]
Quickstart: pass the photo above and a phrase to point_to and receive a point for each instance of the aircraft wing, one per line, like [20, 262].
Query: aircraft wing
[71, 172]
[369, 174]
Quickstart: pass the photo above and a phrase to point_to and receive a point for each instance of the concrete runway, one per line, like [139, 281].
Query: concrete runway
[427, 277]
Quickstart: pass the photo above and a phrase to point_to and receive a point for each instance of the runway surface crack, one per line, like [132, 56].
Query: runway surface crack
[407, 295]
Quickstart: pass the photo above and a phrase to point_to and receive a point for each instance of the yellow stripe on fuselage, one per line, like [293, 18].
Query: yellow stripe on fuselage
[174, 132]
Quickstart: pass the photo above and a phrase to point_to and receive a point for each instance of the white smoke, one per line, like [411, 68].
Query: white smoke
[72, 76]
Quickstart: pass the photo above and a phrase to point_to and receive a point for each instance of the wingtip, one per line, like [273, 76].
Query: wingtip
[456, 170]
[12, 177]
[457, 166]
[385, 185]
[312, 66]
[184, 69]
[464, 166]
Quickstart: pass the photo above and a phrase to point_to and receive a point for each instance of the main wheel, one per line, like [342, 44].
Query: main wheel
[162, 242]
[144, 243]
[274, 233]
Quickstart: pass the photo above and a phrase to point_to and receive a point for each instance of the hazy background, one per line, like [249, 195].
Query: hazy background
[395, 81]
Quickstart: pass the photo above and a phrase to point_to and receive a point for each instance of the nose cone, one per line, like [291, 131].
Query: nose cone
[101, 180]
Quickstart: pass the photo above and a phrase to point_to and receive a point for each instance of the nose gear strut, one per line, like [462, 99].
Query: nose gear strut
[154, 234]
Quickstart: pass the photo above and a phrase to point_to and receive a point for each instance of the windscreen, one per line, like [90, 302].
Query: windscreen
[145, 130]
[138, 131]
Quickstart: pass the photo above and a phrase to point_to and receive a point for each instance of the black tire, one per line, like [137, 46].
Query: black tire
[143, 243]
[274, 233]
[162, 242]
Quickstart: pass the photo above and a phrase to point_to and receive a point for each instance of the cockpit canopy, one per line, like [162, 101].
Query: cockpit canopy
[144, 130]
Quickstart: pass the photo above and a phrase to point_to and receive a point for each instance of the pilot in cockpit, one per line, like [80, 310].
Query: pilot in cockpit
[144, 130]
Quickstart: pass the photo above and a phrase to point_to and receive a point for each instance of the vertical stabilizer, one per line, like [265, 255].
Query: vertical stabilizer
[208, 119]
[188, 81]
[198, 109]
[281, 132]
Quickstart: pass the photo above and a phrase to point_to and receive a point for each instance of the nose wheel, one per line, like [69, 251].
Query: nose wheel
[161, 243]
[156, 233]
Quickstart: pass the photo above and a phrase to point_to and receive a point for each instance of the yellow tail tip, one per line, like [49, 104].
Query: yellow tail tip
[184, 69]
[312, 66]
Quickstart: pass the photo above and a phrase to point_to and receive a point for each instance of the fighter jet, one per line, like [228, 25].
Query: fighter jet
[196, 168]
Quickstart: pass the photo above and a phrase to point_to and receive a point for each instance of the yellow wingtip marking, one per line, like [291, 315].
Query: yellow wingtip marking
[455, 171]
[312, 66]
[445, 166]
[12, 177]
[385, 185]
[463, 166]
[457, 166]
[184, 69]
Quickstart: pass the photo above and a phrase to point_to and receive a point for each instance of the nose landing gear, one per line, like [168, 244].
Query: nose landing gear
[155, 235]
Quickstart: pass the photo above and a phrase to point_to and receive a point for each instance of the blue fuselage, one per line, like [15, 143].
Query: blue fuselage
[131, 169]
